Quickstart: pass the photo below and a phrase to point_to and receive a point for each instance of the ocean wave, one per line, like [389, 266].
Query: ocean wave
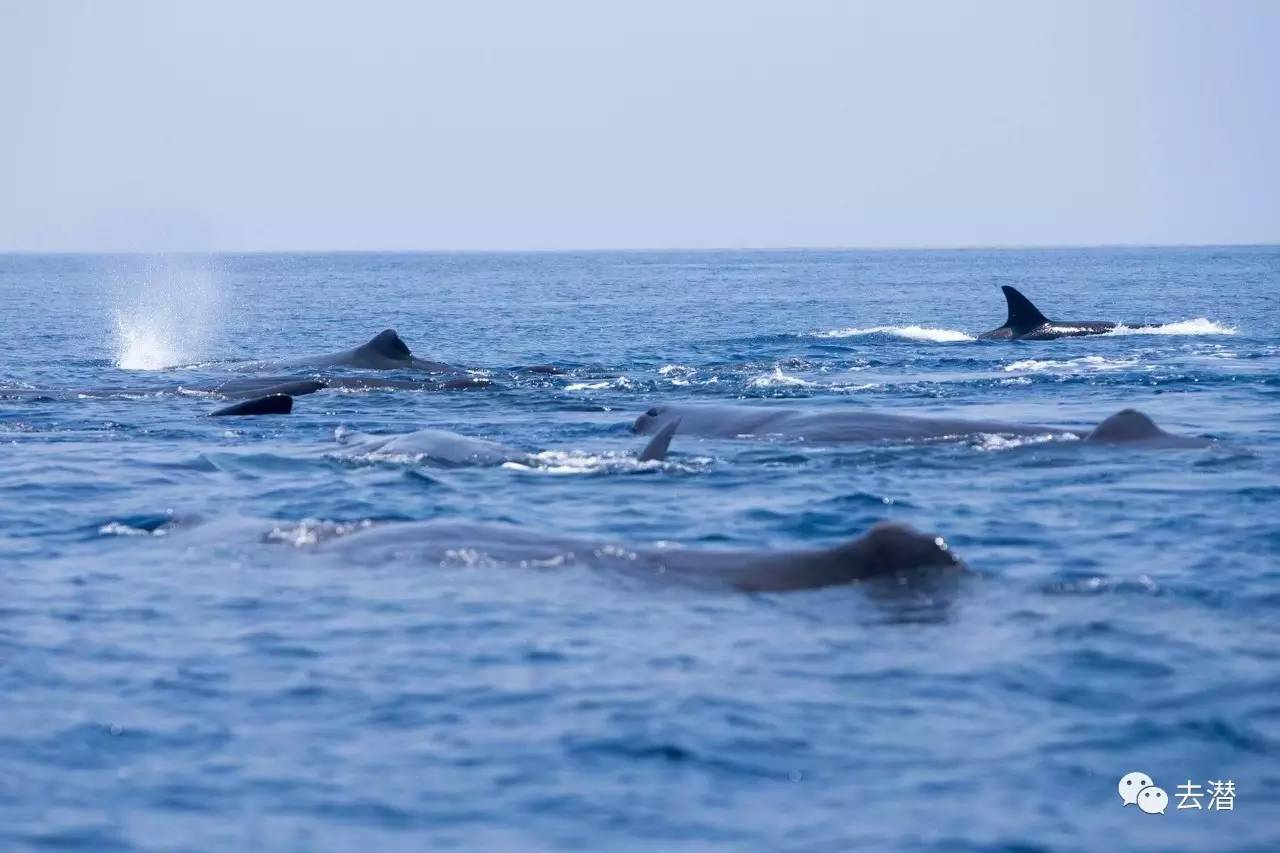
[909, 333]
[1197, 326]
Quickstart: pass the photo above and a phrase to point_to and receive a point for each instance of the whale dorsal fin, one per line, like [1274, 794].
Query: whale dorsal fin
[388, 345]
[1022, 314]
[656, 449]
[1125, 425]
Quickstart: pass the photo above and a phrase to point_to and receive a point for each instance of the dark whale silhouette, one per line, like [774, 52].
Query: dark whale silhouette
[451, 449]
[384, 351]
[847, 424]
[272, 404]
[1026, 323]
[886, 550]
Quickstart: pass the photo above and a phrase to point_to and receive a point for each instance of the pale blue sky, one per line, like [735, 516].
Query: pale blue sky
[517, 125]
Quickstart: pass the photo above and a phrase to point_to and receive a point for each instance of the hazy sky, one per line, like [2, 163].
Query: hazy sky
[540, 125]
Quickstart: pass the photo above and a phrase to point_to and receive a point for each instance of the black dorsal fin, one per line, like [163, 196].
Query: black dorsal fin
[388, 345]
[1022, 314]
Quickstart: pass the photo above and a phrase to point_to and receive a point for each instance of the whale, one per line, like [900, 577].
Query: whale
[272, 404]
[384, 351]
[1026, 323]
[886, 550]
[450, 449]
[259, 386]
[240, 388]
[848, 424]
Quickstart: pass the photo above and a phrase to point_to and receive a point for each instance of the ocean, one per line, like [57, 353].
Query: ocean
[182, 667]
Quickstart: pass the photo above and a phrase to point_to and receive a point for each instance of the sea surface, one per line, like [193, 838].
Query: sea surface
[182, 668]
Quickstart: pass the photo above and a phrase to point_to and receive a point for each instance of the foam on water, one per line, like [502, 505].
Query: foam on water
[909, 333]
[619, 382]
[571, 462]
[778, 379]
[1198, 326]
[1071, 365]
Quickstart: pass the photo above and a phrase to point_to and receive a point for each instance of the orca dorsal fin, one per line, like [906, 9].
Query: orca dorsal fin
[1022, 314]
[388, 345]
[656, 449]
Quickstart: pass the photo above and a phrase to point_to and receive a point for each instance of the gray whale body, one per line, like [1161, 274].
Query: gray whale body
[848, 424]
[886, 550]
[450, 448]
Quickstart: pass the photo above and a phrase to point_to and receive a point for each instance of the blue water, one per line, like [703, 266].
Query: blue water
[172, 679]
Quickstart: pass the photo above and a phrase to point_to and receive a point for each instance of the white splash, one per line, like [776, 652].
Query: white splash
[992, 441]
[622, 383]
[571, 462]
[1073, 365]
[167, 318]
[910, 333]
[778, 379]
[1198, 326]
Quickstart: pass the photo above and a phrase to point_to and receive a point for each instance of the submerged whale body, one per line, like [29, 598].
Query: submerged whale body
[847, 424]
[449, 448]
[1026, 323]
[886, 550]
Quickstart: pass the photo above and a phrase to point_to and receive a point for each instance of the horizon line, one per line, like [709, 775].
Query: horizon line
[974, 247]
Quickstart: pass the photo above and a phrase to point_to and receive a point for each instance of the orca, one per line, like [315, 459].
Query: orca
[848, 424]
[273, 404]
[442, 447]
[1026, 323]
[887, 550]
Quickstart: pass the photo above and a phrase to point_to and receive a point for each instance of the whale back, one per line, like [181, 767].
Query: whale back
[386, 344]
[1126, 425]
[1131, 426]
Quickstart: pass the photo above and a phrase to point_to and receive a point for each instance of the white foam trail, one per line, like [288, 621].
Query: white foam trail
[1088, 362]
[910, 333]
[570, 462]
[168, 317]
[622, 383]
[991, 441]
[1198, 326]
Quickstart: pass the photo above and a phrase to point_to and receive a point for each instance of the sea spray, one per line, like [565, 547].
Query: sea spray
[166, 313]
